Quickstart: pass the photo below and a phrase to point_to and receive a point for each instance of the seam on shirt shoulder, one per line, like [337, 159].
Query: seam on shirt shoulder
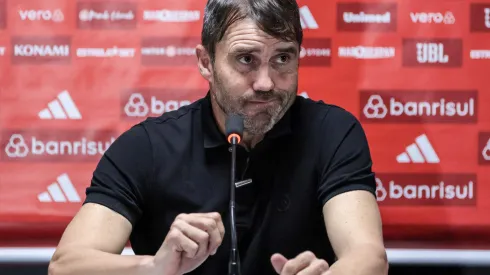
[150, 179]
[318, 161]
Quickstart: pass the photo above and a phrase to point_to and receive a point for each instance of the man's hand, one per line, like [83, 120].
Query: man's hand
[191, 240]
[305, 263]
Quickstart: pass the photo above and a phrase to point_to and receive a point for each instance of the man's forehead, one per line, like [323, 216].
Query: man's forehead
[247, 33]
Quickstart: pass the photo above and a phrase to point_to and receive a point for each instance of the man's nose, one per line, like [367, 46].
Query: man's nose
[263, 81]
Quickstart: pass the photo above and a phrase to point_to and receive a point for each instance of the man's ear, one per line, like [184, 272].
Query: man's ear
[204, 62]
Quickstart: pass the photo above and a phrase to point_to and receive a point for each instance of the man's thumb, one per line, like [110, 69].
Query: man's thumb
[278, 261]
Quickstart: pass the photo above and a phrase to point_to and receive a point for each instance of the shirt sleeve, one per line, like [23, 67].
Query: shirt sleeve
[345, 158]
[123, 172]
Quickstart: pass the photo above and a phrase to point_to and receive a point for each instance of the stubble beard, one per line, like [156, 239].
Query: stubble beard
[259, 123]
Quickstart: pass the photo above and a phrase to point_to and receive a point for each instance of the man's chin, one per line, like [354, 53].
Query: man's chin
[258, 124]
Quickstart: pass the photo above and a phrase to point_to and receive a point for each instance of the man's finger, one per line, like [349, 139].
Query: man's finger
[198, 236]
[209, 225]
[217, 217]
[180, 243]
[299, 263]
[278, 261]
[317, 267]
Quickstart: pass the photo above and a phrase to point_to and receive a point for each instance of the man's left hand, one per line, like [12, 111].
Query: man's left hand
[305, 263]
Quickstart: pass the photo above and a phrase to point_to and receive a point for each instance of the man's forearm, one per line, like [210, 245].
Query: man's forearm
[94, 262]
[366, 260]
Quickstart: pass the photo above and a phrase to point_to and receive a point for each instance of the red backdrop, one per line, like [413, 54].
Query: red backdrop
[75, 74]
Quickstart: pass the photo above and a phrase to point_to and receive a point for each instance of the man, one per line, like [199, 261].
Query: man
[309, 209]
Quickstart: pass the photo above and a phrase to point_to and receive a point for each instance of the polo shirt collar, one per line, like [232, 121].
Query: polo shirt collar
[213, 137]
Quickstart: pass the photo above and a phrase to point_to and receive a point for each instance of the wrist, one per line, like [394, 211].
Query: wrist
[146, 265]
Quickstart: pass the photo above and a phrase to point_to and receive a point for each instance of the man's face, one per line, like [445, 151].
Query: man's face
[254, 75]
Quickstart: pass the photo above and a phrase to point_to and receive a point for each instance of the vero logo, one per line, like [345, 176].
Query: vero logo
[61, 191]
[421, 151]
[63, 107]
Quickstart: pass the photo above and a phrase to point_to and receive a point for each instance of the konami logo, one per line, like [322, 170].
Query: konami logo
[316, 52]
[107, 15]
[484, 148]
[433, 52]
[426, 189]
[367, 16]
[38, 50]
[168, 51]
[140, 103]
[480, 17]
[50, 146]
[418, 106]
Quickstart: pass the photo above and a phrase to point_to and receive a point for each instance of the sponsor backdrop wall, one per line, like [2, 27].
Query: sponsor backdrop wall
[76, 74]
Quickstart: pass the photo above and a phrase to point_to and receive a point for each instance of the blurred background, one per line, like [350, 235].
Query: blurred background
[75, 74]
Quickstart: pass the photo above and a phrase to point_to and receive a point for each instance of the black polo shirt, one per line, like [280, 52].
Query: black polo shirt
[180, 163]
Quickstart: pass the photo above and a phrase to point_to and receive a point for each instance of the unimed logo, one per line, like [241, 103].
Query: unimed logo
[168, 51]
[484, 148]
[367, 17]
[316, 52]
[433, 52]
[139, 103]
[3, 14]
[38, 50]
[418, 106]
[107, 15]
[426, 189]
[480, 17]
[47, 146]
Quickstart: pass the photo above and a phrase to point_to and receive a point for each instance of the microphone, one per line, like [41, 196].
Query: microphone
[234, 133]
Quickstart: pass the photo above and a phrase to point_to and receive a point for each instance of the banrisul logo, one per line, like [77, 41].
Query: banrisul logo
[484, 148]
[143, 102]
[44, 145]
[426, 189]
[415, 106]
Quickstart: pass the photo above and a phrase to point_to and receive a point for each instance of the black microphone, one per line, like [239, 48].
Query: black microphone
[234, 133]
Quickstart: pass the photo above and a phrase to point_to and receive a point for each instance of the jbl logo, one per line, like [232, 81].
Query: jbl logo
[431, 53]
[441, 52]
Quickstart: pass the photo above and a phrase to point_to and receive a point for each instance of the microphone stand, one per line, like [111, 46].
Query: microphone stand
[234, 263]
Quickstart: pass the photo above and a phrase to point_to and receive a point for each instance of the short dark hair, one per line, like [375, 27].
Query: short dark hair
[278, 18]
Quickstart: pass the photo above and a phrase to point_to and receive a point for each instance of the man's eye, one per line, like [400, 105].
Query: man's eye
[246, 59]
[283, 58]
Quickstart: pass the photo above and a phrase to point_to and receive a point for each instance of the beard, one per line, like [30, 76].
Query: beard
[257, 118]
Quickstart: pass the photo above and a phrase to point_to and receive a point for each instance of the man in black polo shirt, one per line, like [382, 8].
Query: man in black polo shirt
[309, 204]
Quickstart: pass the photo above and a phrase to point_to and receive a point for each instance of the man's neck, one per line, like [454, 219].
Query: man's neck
[248, 141]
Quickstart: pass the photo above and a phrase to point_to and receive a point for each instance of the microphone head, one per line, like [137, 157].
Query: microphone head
[234, 127]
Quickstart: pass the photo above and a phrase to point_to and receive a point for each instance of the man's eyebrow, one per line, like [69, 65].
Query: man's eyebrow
[245, 50]
[287, 49]
[249, 50]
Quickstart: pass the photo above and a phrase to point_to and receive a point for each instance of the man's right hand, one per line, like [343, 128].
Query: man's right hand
[191, 240]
